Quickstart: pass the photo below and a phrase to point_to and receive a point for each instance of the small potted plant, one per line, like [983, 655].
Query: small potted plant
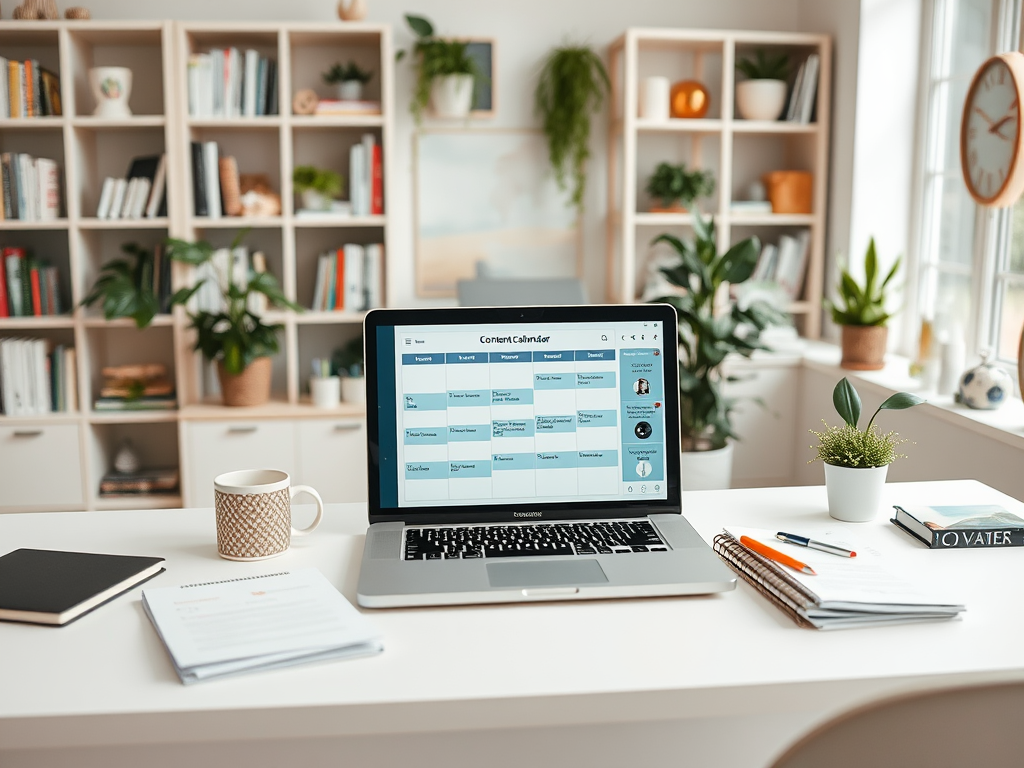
[676, 188]
[762, 96]
[234, 337]
[445, 73]
[862, 314]
[349, 79]
[348, 362]
[857, 461]
[126, 288]
[316, 187]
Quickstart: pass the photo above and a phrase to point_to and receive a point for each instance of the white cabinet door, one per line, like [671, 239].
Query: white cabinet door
[215, 447]
[332, 457]
[41, 466]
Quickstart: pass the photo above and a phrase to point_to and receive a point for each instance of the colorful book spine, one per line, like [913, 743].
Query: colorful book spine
[5, 308]
[377, 182]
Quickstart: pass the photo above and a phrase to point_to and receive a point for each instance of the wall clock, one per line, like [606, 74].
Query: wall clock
[991, 154]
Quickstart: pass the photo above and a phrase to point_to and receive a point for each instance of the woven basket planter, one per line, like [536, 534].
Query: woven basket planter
[250, 387]
[864, 347]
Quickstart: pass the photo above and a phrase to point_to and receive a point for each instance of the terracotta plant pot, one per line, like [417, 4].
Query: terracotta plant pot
[250, 387]
[789, 191]
[674, 208]
[864, 347]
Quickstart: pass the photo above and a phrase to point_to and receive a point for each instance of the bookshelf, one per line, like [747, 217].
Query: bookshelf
[738, 151]
[62, 456]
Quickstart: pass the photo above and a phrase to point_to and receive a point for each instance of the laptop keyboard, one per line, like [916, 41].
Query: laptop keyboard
[532, 540]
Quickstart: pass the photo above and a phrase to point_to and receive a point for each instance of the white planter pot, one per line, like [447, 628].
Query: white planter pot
[761, 99]
[451, 96]
[314, 201]
[854, 494]
[111, 87]
[706, 470]
[353, 389]
[654, 98]
[350, 90]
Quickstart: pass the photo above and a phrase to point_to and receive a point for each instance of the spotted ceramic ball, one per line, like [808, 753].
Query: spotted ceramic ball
[985, 387]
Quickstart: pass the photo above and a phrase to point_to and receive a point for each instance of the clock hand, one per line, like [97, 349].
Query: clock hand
[988, 119]
[994, 128]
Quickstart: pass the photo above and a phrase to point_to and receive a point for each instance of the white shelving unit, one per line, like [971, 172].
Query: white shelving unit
[737, 151]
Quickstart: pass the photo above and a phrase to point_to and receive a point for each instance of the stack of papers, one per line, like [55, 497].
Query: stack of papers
[256, 623]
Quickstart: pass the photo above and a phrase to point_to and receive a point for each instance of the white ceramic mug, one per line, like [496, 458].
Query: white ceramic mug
[254, 513]
[325, 391]
[111, 87]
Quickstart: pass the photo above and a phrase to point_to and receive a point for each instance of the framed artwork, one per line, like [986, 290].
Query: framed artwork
[486, 203]
[485, 95]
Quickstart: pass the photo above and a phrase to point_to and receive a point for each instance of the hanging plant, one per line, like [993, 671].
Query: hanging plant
[571, 88]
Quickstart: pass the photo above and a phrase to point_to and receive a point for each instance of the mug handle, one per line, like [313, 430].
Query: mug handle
[293, 492]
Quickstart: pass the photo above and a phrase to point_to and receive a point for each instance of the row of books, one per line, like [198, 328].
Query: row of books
[142, 192]
[31, 187]
[349, 279]
[366, 177]
[140, 387]
[28, 288]
[36, 379]
[228, 267]
[28, 90]
[215, 182]
[785, 263]
[227, 82]
[800, 108]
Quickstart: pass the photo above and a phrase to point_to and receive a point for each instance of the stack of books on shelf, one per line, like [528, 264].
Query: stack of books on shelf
[216, 186]
[227, 82]
[31, 187]
[784, 263]
[154, 481]
[142, 192]
[28, 288]
[36, 377]
[366, 177]
[800, 108]
[227, 267]
[143, 387]
[328, 107]
[349, 279]
[28, 90]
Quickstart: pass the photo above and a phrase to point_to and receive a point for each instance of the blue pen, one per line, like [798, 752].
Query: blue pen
[803, 541]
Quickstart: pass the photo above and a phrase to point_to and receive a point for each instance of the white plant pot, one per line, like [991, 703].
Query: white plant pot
[854, 494]
[350, 90]
[761, 99]
[353, 389]
[451, 96]
[706, 470]
[654, 98]
[111, 87]
[315, 201]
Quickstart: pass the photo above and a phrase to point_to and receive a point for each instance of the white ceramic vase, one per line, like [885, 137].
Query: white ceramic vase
[706, 470]
[451, 96]
[111, 87]
[761, 99]
[350, 90]
[353, 389]
[654, 98]
[854, 493]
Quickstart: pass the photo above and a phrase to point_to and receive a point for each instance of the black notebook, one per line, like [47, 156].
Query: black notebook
[44, 586]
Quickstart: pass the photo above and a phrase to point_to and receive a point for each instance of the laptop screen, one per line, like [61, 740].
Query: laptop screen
[502, 409]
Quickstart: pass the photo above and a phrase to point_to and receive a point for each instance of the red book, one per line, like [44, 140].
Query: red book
[37, 302]
[376, 182]
[339, 281]
[5, 309]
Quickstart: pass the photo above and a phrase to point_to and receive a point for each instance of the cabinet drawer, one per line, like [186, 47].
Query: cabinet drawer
[40, 466]
[332, 457]
[215, 447]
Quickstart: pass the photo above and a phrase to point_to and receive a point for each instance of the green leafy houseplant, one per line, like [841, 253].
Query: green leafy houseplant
[764, 66]
[707, 336]
[673, 184]
[572, 86]
[345, 73]
[348, 360]
[126, 288]
[863, 304]
[435, 57]
[308, 177]
[848, 446]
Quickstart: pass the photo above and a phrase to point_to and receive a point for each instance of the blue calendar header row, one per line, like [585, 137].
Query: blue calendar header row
[546, 356]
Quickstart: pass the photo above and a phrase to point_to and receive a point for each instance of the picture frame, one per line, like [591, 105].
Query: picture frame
[483, 50]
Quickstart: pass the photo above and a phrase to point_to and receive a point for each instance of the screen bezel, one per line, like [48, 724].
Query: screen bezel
[498, 513]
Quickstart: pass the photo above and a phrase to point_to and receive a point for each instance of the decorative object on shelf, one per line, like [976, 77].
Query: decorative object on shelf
[324, 389]
[349, 79]
[111, 87]
[991, 138]
[348, 362]
[863, 315]
[857, 462]
[763, 95]
[571, 88]
[77, 13]
[789, 191]
[654, 98]
[689, 99]
[126, 461]
[136, 387]
[257, 197]
[235, 337]
[986, 386]
[316, 187]
[707, 336]
[352, 10]
[445, 73]
[32, 10]
[676, 188]
[305, 102]
[127, 289]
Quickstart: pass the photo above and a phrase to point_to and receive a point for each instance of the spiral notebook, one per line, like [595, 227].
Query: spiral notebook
[845, 593]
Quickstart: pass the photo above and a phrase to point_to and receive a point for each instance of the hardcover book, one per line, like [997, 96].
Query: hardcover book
[961, 526]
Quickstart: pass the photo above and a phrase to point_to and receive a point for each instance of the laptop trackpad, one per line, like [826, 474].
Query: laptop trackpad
[545, 574]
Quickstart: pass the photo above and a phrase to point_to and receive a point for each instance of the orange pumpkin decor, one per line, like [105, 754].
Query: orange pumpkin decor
[689, 99]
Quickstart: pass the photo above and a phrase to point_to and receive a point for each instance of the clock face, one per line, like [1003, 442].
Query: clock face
[990, 132]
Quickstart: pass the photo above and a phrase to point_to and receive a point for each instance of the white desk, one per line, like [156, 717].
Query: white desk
[725, 680]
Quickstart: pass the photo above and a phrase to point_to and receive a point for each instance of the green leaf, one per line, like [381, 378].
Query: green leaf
[189, 253]
[421, 26]
[899, 401]
[847, 402]
[737, 264]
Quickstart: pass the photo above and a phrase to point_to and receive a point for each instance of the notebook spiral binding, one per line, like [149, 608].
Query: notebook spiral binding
[227, 581]
[783, 591]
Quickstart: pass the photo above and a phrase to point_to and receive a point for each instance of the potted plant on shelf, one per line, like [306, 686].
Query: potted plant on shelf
[126, 288]
[762, 96]
[571, 88]
[445, 73]
[348, 362]
[676, 188]
[233, 336]
[349, 79]
[862, 315]
[316, 187]
[707, 335]
[856, 461]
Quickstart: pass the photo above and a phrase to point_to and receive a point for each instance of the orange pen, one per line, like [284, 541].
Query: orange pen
[774, 554]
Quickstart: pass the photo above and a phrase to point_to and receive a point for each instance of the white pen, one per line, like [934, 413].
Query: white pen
[803, 541]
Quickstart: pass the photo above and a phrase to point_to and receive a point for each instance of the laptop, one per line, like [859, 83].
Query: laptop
[526, 453]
